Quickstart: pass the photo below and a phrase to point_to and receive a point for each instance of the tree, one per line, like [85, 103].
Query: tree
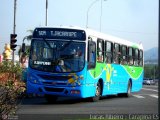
[151, 71]
[28, 38]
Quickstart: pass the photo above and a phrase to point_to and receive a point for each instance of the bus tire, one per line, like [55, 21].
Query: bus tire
[128, 94]
[98, 93]
[51, 98]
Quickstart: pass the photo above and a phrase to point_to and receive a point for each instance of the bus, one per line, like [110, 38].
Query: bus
[82, 63]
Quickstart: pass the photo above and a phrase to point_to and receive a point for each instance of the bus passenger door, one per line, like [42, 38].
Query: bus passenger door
[91, 55]
[91, 62]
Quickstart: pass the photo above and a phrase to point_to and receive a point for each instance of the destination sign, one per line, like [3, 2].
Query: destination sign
[59, 33]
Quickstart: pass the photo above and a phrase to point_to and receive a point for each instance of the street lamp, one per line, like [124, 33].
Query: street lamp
[100, 14]
[88, 11]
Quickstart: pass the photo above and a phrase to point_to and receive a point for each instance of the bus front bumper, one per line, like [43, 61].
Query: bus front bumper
[82, 91]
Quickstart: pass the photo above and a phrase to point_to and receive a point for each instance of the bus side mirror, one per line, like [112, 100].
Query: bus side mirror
[23, 47]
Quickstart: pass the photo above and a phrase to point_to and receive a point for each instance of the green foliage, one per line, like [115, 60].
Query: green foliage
[27, 50]
[151, 71]
[11, 86]
[12, 69]
[29, 37]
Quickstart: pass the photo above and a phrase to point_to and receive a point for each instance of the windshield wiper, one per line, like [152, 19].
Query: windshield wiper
[47, 43]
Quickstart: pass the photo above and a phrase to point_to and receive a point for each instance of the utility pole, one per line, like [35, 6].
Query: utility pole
[159, 49]
[46, 11]
[100, 17]
[14, 24]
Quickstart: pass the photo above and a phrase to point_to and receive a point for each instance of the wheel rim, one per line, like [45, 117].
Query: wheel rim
[98, 90]
[129, 89]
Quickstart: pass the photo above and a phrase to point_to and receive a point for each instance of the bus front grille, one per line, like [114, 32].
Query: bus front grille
[50, 77]
[55, 84]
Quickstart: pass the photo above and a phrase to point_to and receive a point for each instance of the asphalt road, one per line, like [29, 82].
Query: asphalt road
[143, 102]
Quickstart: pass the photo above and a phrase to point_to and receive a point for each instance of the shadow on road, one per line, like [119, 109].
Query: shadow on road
[43, 101]
[63, 100]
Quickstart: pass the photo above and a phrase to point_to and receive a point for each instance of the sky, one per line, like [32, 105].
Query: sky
[133, 20]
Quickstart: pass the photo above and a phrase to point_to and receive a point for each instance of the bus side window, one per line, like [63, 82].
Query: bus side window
[130, 56]
[100, 50]
[91, 54]
[124, 55]
[108, 52]
[116, 53]
[140, 58]
[136, 54]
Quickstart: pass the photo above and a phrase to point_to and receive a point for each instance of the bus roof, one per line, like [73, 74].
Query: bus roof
[113, 38]
[100, 35]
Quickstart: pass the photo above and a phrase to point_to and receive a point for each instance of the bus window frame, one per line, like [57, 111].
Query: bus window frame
[124, 57]
[108, 54]
[116, 54]
[136, 55]
[140, 59]
[100, 58]
[90, 65]
[130, 56]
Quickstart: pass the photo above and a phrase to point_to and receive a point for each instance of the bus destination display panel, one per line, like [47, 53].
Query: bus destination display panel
[59, 33]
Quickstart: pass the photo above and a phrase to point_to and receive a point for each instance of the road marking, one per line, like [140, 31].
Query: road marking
[155, 96]
[149, 86]
[138, 96]
[150, 89]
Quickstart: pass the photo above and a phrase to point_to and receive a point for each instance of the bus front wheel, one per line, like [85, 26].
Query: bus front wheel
[97, 94]
[128, 94]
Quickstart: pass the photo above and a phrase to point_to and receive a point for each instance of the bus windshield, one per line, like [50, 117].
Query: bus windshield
[57, 55]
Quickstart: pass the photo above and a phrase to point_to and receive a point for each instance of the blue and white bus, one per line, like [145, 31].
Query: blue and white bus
[82, 63]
